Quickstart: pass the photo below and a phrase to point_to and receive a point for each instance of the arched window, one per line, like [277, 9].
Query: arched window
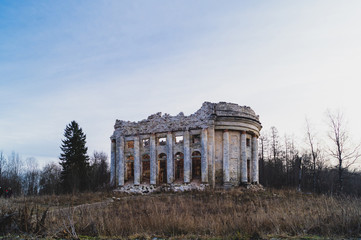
[162, 168]
[196, 165]
[179, 166]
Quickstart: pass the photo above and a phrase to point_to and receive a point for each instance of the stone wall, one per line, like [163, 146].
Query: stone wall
[217, 131]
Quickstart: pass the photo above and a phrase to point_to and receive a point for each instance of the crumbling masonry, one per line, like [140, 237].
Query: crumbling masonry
[217, 145]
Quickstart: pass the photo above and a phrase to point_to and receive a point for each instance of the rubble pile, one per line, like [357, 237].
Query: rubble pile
[145, 189]
[255, 187]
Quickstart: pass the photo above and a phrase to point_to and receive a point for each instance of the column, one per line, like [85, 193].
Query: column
[187, 157]
[254, 159]
[112, 163]
[153, 161]
[120, 160]
[170, 168]
[211, 157]
[244, 177]
[225, 156]
[136, 161]
[204, 157]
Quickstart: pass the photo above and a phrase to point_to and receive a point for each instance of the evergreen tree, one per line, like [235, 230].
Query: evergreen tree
[74, 159]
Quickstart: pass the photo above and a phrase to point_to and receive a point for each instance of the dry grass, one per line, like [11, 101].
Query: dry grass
[232, 214]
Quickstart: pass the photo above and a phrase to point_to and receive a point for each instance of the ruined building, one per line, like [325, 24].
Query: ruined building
[217, 145]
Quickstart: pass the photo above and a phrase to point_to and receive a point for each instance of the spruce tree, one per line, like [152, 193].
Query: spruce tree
[74, 159]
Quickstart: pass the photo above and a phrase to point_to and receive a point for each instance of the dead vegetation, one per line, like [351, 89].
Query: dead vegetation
[234, 214]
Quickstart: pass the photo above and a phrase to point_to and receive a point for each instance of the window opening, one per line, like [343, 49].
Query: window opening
[162, 166]
[196, 138]
[145, 168]
[162, 141]
[179, 139]
[179, 166]
[196, 165]
[130, 144]
[129, 168]
[146, 142]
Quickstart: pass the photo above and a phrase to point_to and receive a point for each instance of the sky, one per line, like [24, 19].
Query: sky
[98, 61]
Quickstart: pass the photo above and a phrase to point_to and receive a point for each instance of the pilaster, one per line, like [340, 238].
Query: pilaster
[204, 156]
[112, 163]
[137, 167]
[187, 157]
[153, 160]
[170, 163]
[226, 156]
[120, 160]
[211, 157]
[254, 159]
[244, 177]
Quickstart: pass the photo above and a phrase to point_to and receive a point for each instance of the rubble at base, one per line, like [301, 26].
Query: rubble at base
[144, 189]
[255, 187]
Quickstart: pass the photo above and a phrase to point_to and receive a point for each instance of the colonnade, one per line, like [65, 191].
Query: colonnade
[118, 158]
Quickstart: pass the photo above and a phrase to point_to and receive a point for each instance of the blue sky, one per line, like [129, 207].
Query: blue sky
[97, 61]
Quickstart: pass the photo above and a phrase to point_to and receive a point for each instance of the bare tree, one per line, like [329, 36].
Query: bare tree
[275, 144]
[14, 170]
[342, 148]
[99, 170]
[2, 164]
[31, 177]
[262, 141]
[315, 152]
[50, 179]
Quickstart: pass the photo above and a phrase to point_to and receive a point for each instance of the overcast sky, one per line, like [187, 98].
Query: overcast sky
[98, 61]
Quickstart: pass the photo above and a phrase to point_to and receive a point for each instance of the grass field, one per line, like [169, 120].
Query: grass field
[233, 214]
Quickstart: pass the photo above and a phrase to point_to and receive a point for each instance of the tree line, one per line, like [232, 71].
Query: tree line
[281, 164]
[25, 177]
[321, 168]
[76, 171]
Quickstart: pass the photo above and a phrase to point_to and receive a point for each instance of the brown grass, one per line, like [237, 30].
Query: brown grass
[232, 214]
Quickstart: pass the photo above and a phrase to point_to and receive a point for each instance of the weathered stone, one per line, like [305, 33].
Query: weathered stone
[187, 157]
[120, 160]
[204, 154]
[244, 158]
[225, 156]
[215, 147]
[136, 161]
[112, 162]
[200, 119]
[170, 167]
[254, 159]
[153, 161]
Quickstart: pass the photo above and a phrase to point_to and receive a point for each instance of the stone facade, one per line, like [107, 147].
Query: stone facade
[217, 145]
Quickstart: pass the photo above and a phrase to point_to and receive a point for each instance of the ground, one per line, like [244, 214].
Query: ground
[234, 214]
